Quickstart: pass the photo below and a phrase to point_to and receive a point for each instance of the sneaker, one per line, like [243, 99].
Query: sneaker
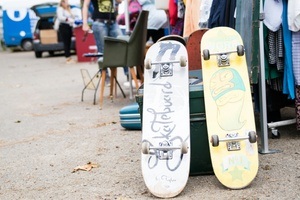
[70, 61]
[127, 84]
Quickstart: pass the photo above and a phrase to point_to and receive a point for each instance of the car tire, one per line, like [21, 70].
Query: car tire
[38, 54]
[27, 45]
[51, 53]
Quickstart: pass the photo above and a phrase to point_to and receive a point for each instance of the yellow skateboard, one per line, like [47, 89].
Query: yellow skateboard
[229, 109]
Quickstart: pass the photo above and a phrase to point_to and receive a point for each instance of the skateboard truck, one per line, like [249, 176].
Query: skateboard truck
[223, 58]
[165, 149]
[233, 140]
[148, 63]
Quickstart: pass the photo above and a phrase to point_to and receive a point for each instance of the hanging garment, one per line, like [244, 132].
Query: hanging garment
[288, 78]
[297, 107]
[177, 29]
[275, 44]
[204, 13]
[294, 15]
[273, 10]
[272, 47]
[180, 8]
[276, 85]
[176, 13]
[296, 56]
[191, 17]
[271, 71]
[229, 13]
[244, 25]
[217, 14]
[173, 10]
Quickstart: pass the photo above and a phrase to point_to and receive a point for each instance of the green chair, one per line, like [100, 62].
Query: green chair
[124, 51]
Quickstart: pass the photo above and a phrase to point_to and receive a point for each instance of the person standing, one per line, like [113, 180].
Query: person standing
[66, 19]
[104, 21]
[157, 20]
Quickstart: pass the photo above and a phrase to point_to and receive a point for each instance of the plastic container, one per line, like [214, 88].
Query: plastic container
[130, 117]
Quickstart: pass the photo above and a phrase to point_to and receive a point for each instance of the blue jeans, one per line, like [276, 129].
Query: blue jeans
[100, 30]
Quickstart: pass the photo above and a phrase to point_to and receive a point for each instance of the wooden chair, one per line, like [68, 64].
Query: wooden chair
[124, 51]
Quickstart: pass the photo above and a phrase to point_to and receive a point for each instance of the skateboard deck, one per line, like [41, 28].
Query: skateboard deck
[177, 38]
[193, 49]
[229, 109]
[165, 158]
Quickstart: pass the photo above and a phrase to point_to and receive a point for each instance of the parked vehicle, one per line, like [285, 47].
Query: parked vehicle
[45, 38]
[2, 45]
[18, 24]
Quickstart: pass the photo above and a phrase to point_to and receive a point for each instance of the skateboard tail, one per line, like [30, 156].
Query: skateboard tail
[235, 169]
[165, 183]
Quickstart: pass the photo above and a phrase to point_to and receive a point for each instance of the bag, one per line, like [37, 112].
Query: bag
[56, 24]
[134, 9]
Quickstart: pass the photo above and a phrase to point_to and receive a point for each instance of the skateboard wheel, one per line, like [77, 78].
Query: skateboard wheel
[182, 61]
[145, 147]
[148, 63]
[252, 136]
[240, 50]
[184, 148]
[206, 54]
[215, 140]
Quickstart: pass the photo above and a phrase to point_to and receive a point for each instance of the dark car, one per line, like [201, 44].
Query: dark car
[45, 38]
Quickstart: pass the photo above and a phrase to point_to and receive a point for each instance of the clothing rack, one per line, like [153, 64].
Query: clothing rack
[262, 93]
[262, 90]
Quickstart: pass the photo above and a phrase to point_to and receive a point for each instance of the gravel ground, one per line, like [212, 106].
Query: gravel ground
[46, 132]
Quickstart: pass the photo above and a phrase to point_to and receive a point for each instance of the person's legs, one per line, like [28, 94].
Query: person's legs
[66, 33]
[157, 34]
[68, 40]
[149, 34]
[115, 31]
[100, 30]
[126, 72]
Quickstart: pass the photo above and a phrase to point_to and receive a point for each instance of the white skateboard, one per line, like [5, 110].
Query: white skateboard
[166, 121]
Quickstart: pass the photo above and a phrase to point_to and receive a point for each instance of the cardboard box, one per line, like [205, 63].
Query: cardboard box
[48, 36]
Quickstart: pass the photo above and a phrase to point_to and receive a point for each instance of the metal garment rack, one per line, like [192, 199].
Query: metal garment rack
[262, 95]
[273, 125]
